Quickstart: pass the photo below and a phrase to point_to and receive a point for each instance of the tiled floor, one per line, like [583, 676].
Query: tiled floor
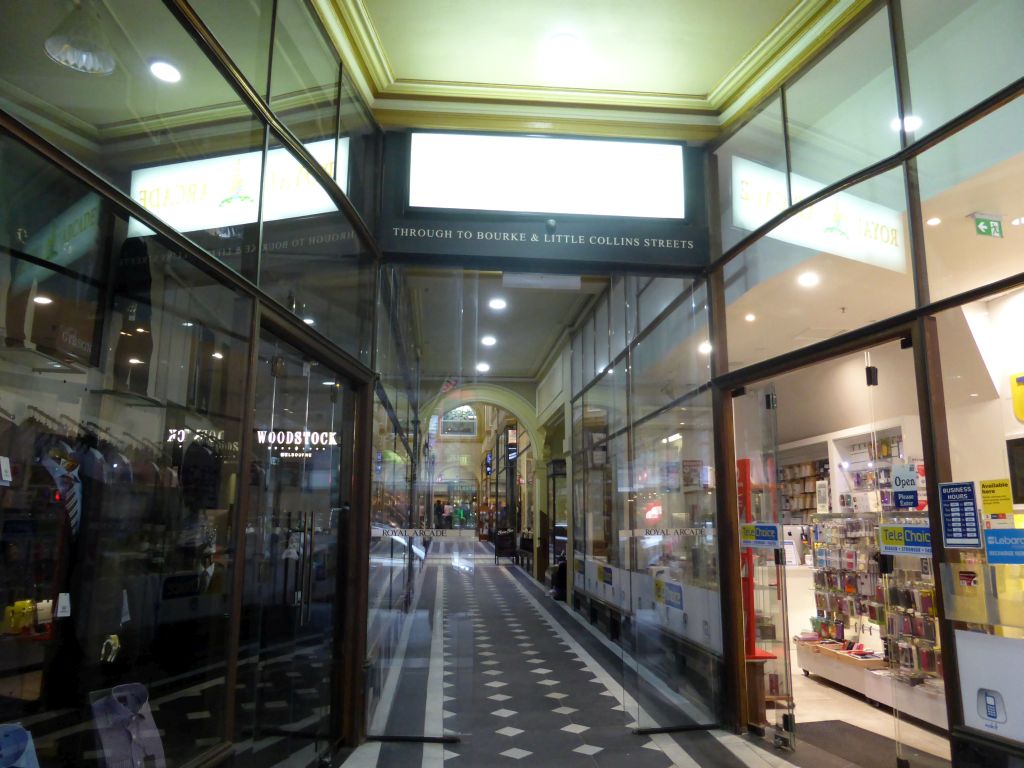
[506, 675]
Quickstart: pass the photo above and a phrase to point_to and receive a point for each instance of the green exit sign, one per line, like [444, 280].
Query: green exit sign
[988, 227]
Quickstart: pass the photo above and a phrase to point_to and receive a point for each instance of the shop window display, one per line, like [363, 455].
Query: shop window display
[983, 586]
[120, 422]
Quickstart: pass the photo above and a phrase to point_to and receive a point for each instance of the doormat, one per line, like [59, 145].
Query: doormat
[862, 748]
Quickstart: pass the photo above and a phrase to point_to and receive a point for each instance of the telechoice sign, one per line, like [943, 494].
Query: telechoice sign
[905, 539]
[761, 536]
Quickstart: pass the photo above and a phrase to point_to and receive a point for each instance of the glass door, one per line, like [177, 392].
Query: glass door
[297, 507]
[763, 566]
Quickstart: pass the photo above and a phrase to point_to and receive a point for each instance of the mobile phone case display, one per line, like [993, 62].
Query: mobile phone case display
[861, 611]
[800, 487]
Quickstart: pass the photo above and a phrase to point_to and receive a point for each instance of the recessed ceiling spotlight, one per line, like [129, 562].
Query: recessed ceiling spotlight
[327, 383]
[497, 304]
[161, 70]
[217, 355]
[934, 221]
[308, 320]
[43, 300]
[1017, 222]
[140, 330]
[974, 394]
[187, 324]
[910, 123]
[483, 367]
[808, 279]
[704, 348]
[488, 341]
[750, 317]
[134, 361]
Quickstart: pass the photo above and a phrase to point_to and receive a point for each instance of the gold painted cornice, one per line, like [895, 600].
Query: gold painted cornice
[510, 123]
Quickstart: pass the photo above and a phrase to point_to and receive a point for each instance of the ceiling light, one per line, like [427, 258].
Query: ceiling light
[327, 383]
[43, 300]
[217, 355]
[308, 320]
[674, 438]
[497, 304]
[750, 317]
[808, 279]
[78, 42]
[974, 394]
[187, 324]
[161, 70]
[704, 348]
[140, 330]
[562, 53]
[934, 221]
[483, 367]
[910, 123]
[1016, 222]
[134, 361]
[488, 341]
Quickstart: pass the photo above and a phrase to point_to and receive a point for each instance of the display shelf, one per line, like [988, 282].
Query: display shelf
[892, 615]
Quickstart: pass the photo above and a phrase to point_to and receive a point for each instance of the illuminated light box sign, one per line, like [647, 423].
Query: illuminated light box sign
[761, 536]
[295, 437]
[546, 175]
[905, 539]
[225, 191]
[844, 224]
[523, 203]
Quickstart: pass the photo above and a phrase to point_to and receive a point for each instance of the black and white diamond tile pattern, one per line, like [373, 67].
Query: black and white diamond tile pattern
[522, 693]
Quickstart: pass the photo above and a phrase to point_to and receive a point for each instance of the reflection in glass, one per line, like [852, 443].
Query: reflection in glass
[939, 32]
[297, 507]
[121, 417]
[838, 266]
[971, 190]
[747, 200]
[841, 110]
[313, 262]
[130, 119]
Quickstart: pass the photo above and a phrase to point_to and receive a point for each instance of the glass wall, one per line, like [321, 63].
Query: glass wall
[148, 111]
[850, 261]
[122, 411]
[983, 580]
[123, 499]
[643, 498]
[841, 111]
[758, 146]
[838, 266]
[299, 502]
[971, 192]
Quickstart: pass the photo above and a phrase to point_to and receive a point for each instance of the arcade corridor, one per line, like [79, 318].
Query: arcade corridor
[503, 673]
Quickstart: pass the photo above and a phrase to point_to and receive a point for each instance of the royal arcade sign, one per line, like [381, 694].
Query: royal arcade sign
[540, 199]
